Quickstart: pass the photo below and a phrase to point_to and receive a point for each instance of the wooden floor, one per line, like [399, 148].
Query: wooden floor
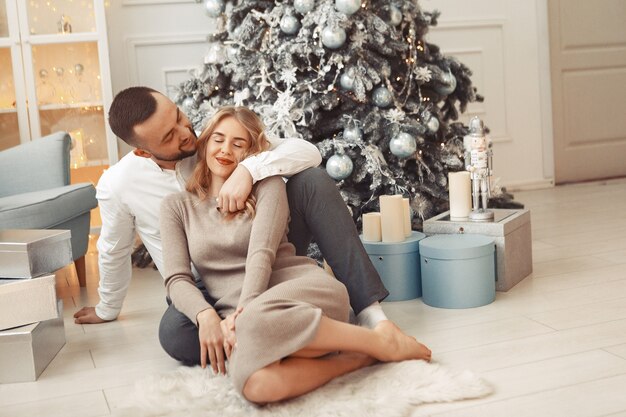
[554, 345]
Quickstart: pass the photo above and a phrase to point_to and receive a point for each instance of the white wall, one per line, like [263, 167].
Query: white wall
[504, 42]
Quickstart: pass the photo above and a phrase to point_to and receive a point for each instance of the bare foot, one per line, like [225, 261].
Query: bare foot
[399, 346]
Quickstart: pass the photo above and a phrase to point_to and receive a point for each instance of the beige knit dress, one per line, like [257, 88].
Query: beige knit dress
[248, 263]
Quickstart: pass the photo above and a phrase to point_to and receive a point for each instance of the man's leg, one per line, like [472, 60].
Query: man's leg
[179, 337]
[319, 212]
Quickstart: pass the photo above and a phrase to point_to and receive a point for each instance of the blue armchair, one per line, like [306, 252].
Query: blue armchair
[35, 193]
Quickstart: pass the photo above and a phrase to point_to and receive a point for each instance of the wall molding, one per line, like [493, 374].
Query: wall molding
[468, 24]
[134, 43]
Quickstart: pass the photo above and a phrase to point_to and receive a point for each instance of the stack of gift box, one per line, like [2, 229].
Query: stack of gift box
[393, 247]
[31, 319]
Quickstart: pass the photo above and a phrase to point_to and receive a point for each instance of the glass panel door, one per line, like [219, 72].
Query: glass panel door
[47, 17]
[69, 98]
[9, 127]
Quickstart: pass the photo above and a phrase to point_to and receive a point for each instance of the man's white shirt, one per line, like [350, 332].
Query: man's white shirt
[129, 196]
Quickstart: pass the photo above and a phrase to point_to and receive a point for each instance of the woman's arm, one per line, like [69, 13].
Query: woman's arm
[181, 288]
[268, 230]
[179, 280]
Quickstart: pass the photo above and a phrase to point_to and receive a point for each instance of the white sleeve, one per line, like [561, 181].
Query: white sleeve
[286, 157]
[115, 247]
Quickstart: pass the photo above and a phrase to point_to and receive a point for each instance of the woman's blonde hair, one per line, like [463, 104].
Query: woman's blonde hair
[200, 180]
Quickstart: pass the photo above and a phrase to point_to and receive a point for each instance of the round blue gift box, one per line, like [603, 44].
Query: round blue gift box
[458, 271]
[398, 265]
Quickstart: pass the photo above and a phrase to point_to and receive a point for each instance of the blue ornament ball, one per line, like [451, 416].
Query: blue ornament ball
[449, 84]
[333, 37]
[348, 6]
[214, 8]
[382, 97]
[395, 15]
[339, 167]
[433, 124]
[346, 81]
[403, 145]
[304, 6]
[289, 25]
[353, 134]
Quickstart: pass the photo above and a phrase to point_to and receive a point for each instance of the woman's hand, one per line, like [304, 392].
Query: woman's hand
[211, 340]
[228, 330]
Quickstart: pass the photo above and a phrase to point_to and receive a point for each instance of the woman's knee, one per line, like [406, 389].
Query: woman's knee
[265, 386]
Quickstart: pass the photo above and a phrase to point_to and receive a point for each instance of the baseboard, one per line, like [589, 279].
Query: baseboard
[530, 185]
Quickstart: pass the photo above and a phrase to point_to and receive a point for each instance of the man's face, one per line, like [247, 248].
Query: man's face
[167, 135]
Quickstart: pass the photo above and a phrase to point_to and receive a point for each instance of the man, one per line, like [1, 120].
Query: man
[130, 192]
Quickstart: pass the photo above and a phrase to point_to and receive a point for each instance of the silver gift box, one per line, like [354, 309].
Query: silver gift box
[511, 232]
[25, 301]
[30, 253]
[26, 351]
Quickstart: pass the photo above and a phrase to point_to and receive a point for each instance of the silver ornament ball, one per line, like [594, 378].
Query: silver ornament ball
[403, 145]
[187, 104]
[348, 6]
[433, 124]
[382, 97]
[395, 15]
[43, 73]
[333, 37]
[232, 52]
[289, 25]
[339, 167]
[78, 69]
[214, 8]
[346, 81]
[449, 84]
[59, 71]
[304, 6]
[353, 134]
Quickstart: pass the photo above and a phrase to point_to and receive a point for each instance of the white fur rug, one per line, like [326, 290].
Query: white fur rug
[392, 389]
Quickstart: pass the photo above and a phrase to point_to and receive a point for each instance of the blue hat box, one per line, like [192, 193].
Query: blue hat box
[458, 271]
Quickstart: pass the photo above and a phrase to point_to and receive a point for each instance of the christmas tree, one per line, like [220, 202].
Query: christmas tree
[355, 77]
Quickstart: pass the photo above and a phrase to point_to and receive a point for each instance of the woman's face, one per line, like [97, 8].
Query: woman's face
[226, 147]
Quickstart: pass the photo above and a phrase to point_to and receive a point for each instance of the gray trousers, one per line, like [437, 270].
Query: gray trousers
[317, 212]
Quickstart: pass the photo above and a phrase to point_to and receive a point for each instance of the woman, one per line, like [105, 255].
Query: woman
[289, 317]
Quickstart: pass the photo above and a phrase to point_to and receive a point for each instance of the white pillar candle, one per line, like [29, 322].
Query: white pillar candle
[460, 193]
[407, 217]
[371, 227]
[392, 218]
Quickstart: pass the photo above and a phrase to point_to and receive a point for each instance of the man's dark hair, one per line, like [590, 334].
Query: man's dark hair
[131, 107]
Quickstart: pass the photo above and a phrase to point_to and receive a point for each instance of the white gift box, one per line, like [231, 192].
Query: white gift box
[30, 253]
[27, 350]
[25, 301]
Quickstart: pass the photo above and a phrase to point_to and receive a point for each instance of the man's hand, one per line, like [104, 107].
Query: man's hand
[87, 315]
[211, 340]
[235, 191]
[228, 330]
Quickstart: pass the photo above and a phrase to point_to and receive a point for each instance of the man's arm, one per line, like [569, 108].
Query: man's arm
[115, 246]
[286, 157]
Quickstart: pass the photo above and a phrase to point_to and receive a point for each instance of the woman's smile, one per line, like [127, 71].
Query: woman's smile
[224, 161]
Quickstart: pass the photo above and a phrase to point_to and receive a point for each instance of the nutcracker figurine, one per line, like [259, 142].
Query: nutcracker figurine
[478, 161]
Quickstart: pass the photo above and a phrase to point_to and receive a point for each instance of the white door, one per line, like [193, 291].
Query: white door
[588, 61]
